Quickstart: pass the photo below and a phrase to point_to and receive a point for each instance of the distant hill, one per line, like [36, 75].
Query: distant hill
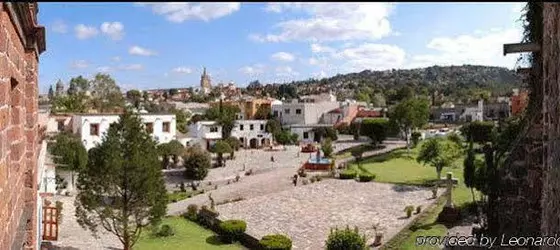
[446, 79]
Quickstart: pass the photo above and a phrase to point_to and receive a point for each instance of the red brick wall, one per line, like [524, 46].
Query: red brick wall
[18, 133]
[518, 103]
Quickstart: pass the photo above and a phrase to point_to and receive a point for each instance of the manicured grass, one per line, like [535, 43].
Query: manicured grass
[399, 167]
[188, 235]
[177, 196]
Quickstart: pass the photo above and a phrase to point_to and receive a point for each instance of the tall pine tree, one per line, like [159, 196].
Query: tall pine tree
[122, 187]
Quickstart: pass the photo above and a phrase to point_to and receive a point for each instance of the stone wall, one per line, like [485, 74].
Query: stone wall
[551, 86]
[21, 42]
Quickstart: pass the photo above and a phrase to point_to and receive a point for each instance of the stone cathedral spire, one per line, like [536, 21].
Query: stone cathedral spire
[205, 84]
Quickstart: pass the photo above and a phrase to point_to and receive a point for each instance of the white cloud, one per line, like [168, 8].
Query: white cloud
[253, 70]
[330, 22]
[283, 57]
[79, 64]
[115, 30]
[182, 70]
[179, 12]
[482, 48]
[317, 48]
[132, 67]
[116, 59]
[285, 71]
[85, 32]
[104, 69]
[139, 51]
[59, 27]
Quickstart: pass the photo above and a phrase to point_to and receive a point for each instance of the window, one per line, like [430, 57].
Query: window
[166, 127]
[213, 129]
[305, 135]
[60, 125]
[287, 111]
[149, 127]
[240, 127]
[262, 126]
[298, 111]
[275, 113]
[94, 129]
[251, 127]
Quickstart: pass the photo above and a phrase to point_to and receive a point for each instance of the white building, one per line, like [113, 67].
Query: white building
[91, 127]
[251, 134]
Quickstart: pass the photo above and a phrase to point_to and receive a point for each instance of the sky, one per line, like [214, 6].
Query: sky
[166, 45]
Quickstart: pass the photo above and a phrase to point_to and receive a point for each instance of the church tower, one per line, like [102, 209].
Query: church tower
[205, 84]
[59, 88]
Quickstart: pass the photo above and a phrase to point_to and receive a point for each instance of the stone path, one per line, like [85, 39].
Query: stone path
[306, 213]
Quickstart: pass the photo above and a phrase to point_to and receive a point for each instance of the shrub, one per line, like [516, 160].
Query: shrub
[301, 172]
[165, 231]
[312, 179]
[232, 230]
[304, 181]
[348, 174]
[318, 178]
[249, 172]
[182, 187]
[366, 177]
[418, 209]
[408, 210]
[192, 211]
[346, 239]
[415, 138]
[276, 242]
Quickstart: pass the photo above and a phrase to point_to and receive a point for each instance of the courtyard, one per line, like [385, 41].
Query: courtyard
[307, 212]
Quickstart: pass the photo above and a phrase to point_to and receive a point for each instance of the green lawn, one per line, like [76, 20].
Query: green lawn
[188, 235]
[399, 167]
[346, 153]
[177, 196]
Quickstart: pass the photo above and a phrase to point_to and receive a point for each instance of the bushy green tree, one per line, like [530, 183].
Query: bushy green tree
[326, 147]
[69, 153]
[263, 112]
[438, 153]
[234, 143]
[375, 129]
[196, 163]
[409, 114]
[173, 148]
[122, 187]
[479, 131]
[106, 94]
[469, 170]
[225, 115]
[220, 148]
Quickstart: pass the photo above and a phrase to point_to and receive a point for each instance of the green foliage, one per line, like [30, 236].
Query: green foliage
[455, 138]
[276, 242]
[76, 103]
[106, 94]
[225, 115]
[326, 147]
[375, 129]
[264, 112]
[232, 230]
[165, 231]
[69, 153]
[348, 174]
[59, 206]
[418, 209]
[469, 168]
[410, 113]
[478, 131]
[365, 177]
[122, 184]
[284, 137]
[181, 120]
[273, 126]
[438, 153]
[415, 138]
[220, 148]
[192, 212]
[294, 138]
[135, 97]
[196, 163]
[408, 210]
[323, 132]
[363, 97]
[234, 143]
[173, 148]
[346, 239]
[51, 93]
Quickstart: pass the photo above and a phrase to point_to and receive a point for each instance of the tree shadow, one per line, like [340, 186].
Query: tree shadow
[215, 240]
[427, 226]
[405, 188]
[404, 217]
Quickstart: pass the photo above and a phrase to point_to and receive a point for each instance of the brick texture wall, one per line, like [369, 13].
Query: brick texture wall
[19, 141]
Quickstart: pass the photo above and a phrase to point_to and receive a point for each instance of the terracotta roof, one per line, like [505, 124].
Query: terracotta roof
[336, 111]
[368, 113]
